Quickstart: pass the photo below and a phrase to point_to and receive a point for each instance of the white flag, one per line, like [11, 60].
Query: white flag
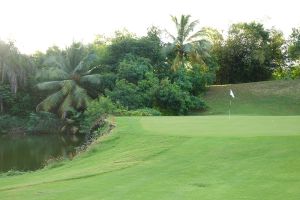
[231, 93]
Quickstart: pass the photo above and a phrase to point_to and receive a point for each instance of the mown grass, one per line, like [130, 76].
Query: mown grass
[253, 155]
[199, 157]
[260, 98]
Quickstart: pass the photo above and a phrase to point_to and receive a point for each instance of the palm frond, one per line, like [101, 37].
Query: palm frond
[52, 73]
[90, 70]
[65, 106]
[174, 19]
[203, 47]
[80, 97]
[196, 58]
[57, 61]
[189, 27]
[177, 63]
[184, 24]
[50, 85]
[68, 86]
[187, 48]
[94, 79]
[74, 55]
[85, 64]
[170, 35]
[51, 102]
[196, 36]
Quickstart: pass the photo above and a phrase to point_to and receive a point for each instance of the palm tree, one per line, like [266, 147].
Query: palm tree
[69, 73]
[13, 69]
[188, 46]
[12, 66]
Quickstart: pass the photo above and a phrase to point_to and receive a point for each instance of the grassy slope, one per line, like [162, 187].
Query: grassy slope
[177, 158]
[261, 98]
[199, 157]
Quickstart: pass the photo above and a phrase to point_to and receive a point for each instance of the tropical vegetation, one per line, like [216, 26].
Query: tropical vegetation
[144, 75]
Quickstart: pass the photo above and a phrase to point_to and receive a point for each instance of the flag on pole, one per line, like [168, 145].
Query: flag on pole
[231, 93]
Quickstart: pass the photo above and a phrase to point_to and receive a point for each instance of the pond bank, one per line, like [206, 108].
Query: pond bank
[20, 151]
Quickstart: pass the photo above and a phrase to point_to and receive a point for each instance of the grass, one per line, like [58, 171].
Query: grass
[195, 157]
[260, 98]
[176, 158]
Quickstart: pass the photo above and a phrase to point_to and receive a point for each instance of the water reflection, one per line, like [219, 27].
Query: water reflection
[31, 152]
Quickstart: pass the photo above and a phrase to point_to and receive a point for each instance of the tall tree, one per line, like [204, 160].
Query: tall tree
[68, 76]
[12, 66]
[294, 45]
[251, 53]
[13, 69]
[188, 46]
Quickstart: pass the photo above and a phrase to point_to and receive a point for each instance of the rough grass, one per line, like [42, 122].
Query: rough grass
[260, 98]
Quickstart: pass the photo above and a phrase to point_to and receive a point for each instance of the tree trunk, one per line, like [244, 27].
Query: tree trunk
[1, 105]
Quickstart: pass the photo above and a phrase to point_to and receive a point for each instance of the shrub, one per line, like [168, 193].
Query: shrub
[172, 100]
[43, 122]
[96, 109]
[126, 94]
[8, 122]
[133, 68]
[143, 112]
[287, 73]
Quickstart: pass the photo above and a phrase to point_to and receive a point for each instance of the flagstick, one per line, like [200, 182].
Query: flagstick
[229, 108]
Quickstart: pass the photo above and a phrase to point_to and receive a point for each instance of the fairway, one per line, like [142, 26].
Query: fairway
[202, 157]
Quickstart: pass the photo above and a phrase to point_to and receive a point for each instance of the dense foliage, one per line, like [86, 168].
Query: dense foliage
[250, 53]
[130, 75]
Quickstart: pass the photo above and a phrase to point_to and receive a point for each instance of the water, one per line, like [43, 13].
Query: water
[26, 153]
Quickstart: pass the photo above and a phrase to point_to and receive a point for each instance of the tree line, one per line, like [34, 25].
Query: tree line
[130, 75]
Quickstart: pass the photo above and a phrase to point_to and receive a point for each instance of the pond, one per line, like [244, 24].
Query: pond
[31, 152]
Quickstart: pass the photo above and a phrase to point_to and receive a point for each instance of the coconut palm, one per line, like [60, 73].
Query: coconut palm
[189, 46]
[69, 73]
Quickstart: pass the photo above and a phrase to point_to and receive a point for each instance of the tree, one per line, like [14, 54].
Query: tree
[173, 100]
[13, 66]
[188, 47]
[250, 53]
[294, 45]
[126, 43]
[68, 75]
[133, 68]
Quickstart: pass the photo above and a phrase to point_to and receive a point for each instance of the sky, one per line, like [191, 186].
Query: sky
[38, 24]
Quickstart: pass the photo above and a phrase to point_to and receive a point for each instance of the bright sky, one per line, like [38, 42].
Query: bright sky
[38, 24]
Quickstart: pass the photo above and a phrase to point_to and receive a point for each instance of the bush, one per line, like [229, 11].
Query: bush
[96, 109]
[43, 122]
[172, 100]
[126, 94]
[288, 73]
[147, 89]
[143, 112]
[7, 98]
[8, 122]
[133, 69]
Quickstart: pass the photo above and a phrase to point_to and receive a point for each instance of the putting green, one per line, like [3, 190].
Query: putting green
[240, 126]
